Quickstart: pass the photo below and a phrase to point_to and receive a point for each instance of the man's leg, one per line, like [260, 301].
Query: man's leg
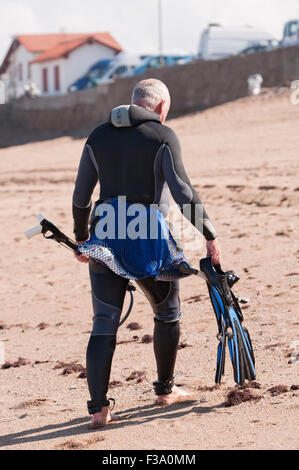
[108, 292]
[164, 299]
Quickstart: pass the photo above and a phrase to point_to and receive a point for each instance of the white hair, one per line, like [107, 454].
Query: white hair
[149, 93]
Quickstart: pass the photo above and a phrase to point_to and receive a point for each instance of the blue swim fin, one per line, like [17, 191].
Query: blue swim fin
[229, 319]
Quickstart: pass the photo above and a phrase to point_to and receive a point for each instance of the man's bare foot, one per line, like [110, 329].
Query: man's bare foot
[176, 396]
[101, 419]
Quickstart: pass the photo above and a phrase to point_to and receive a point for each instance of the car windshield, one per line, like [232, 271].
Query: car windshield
[120, 70]
[98, 72]
[227, 46]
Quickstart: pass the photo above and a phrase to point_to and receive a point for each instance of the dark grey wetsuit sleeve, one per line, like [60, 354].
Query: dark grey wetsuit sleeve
[87, 178]
[181, 189]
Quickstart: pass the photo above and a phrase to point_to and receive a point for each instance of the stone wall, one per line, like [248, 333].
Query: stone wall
[193, 87]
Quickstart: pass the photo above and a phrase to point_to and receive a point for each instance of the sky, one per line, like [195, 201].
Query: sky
[134, 23]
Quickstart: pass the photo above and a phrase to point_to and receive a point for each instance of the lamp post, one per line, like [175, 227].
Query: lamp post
[160, 31]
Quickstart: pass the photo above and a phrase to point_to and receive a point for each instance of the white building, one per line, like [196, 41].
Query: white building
[53, 61]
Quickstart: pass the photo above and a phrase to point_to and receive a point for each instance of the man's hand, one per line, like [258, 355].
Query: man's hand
[81, 258]
[213, 250]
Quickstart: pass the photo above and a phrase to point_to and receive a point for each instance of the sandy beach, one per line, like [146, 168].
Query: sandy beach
[242, 157]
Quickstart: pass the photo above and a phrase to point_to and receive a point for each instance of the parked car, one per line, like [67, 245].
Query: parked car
[218, 42]
[104, 71]
[98, 69]
[291, 33]
[158, 61]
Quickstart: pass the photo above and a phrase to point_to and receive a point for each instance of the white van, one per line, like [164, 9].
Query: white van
[218, 42]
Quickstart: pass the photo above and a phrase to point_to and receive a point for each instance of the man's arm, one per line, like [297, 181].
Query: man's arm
[87, 178]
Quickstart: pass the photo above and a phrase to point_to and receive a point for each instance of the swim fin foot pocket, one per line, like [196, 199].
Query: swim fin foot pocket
[229, 320]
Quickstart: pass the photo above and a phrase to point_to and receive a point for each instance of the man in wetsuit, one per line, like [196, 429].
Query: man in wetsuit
[137, 156]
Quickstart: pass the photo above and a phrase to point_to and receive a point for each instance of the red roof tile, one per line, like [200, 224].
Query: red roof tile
[44, 42]
[53, 46]
[64, 48]
[60, 50]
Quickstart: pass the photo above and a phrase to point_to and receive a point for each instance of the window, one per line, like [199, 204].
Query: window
[20, 72]
[98, 72]
[56, 78]
[29, 72]
[119, 71]
[155, 63]
[45, 80]
[291, 28]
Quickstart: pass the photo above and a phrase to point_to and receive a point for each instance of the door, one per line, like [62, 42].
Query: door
[20, 72]
[45, 80]
[56, 78]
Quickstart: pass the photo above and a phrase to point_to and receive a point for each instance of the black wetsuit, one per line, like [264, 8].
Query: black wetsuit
[132, 155]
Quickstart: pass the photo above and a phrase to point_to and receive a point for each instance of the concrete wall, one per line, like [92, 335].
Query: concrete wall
[193, 87]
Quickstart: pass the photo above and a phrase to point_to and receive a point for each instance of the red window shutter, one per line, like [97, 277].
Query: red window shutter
[56, 78]
[20, 72]
[45, 80]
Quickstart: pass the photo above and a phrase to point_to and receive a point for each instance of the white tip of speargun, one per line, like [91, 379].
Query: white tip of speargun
[33, 231]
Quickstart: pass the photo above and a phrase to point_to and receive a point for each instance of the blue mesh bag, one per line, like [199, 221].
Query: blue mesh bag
[150, 251]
